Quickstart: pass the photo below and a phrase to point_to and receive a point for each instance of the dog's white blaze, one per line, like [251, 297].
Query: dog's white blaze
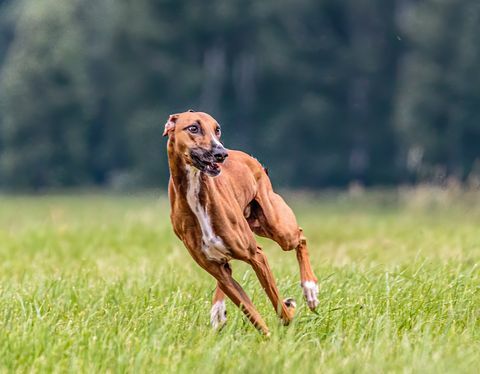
[215, 140]
[212, 245]
[218, 314]
[310, 290]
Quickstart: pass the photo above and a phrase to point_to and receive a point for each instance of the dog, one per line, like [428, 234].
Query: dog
[219, 199]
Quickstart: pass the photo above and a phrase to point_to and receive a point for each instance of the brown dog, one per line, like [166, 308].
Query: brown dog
[218, 203]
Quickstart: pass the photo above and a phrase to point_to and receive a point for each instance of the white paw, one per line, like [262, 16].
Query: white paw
[310, 291]
[218, 315]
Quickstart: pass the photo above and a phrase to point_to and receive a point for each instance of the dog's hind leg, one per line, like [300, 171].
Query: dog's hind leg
[286, 308]
[272, 218]
[307, 277]
[218, 313]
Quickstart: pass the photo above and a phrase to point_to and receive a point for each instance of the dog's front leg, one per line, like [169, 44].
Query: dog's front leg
[218, 313]
[228, 285]
[286, 308]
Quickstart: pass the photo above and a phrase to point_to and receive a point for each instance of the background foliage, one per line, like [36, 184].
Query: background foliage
[324, 92]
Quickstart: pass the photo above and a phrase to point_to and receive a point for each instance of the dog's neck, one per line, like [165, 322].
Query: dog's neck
[189, 183]
[179, 170]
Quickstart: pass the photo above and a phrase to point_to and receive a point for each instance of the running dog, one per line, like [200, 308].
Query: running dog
[219, 199]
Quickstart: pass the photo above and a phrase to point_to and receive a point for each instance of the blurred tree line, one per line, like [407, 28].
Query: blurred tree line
[323, 92]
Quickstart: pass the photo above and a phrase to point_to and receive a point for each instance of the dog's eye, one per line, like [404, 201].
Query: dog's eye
[218, 132]
[193, 129]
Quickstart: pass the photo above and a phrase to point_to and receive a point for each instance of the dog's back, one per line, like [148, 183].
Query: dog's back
[242, 174]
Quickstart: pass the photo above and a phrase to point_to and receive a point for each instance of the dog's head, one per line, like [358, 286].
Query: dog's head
[195, 136]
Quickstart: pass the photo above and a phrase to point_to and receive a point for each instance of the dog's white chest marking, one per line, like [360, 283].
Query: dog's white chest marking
[212, 246]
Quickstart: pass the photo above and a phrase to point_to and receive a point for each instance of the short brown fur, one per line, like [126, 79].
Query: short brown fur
[239, 202]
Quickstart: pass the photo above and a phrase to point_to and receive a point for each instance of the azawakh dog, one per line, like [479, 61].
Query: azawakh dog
[219, 199]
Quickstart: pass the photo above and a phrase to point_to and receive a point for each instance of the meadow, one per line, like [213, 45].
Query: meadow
[98, 283]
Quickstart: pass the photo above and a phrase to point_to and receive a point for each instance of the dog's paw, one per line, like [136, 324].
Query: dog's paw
[291, 306]
[310, 291]
[218, 315]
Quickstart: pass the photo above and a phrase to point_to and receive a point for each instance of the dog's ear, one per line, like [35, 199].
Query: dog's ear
[170, 125]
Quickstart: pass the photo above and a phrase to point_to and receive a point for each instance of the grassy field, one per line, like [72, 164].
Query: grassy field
[98, 283]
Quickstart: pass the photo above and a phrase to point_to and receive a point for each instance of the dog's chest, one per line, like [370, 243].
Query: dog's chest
[212, 246]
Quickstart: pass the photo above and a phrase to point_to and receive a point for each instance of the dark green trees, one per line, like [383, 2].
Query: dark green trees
[323, 92]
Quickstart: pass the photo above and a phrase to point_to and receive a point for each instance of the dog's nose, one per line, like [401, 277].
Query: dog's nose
[220, 154]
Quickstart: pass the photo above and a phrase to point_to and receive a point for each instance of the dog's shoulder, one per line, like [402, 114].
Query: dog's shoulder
[245, 159]
[241, 160]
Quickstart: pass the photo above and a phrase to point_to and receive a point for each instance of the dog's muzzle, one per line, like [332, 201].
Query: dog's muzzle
[207, 160]
[219, 154]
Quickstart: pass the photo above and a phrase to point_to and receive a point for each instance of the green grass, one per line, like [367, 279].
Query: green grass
[97, 283]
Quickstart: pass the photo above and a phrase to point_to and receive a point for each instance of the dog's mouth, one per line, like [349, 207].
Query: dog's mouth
[205, 164]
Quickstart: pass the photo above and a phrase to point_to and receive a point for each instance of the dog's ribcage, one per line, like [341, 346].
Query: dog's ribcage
[212, 245]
